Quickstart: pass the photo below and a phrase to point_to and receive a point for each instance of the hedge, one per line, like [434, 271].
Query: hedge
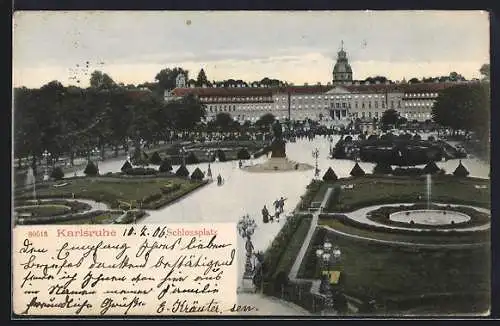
[182, 172]
[197, 174]
[279, 245]
[126, 166]
[243, 154]
[155, 158]
[141, 171]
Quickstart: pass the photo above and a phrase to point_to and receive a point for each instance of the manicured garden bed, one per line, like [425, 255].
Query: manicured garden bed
[43, 210]
[133, 190]
[386, 272]
[373, 190]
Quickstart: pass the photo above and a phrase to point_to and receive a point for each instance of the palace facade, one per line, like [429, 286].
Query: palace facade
[337, 103]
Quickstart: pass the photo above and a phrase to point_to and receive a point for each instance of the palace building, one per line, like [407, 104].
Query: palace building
[339, 103]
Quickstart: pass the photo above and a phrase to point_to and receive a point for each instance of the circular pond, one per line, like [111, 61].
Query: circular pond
[429, 217]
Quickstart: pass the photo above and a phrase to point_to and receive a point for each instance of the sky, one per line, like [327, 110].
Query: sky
[294, 46]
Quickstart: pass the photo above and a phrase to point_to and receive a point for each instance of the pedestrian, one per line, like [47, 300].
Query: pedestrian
[281, 204]
[240, 164]
[265, 214]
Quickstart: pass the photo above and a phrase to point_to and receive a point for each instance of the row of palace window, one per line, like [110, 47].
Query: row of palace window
[366, 114]
[326, 97]
[419, 103]
[421, 95]
[236, 99]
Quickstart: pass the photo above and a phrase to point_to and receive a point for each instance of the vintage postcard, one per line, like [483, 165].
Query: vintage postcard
[298, 163]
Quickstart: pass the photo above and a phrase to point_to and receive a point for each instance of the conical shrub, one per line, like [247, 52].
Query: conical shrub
[155, 159]
[461, 171]
[126, 166]
[197, 174]
[165, 166]
[91, 169]
[182, 171]
[431, 168]
[330, 175]
[357, 171]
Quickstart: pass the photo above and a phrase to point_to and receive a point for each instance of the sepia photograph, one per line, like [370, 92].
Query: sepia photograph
[251, 163]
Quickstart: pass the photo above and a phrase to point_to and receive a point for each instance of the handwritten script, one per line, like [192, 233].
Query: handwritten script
[176, 269]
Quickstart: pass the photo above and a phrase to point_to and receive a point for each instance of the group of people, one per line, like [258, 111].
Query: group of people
[279, 205]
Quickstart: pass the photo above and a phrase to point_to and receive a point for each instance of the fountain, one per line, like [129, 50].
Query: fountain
[30, 180]
[428, 182]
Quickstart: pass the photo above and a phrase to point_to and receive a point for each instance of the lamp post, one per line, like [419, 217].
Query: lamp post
[46, 156]
[327, 255]
[315, 155]
[183, 153]
[246, 227]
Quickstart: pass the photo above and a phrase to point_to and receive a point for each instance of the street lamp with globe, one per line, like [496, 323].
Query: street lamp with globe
[246, 227]
[315, 155]
[327, 255]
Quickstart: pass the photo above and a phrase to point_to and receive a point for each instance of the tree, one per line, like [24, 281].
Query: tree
[389, 117]
[243, 154]
[101, 80]
[463, 107]
[414, 81]
[202, 79]
[224, 121]
[266, 120]
[166, 77]
[485, 71]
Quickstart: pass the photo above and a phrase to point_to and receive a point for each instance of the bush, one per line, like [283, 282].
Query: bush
[431, 168]
[197, 174]
[361, 137]
[141, 171]
[348, 139]
[336, 194]
[126, 166]
[382, 168]
[330, 175]
[221, 155]
[192, 159]
[91, 169]
[57, 173]
[155, 159]
[372, 137]
[165, 166]
[461, 171]
[417, 137]
[243, 154]
[357, 171]
[431, 138]
[182, 171]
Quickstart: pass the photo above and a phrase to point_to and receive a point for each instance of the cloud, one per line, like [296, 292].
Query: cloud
[259, 40]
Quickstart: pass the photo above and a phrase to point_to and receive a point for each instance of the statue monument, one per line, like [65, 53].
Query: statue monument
[278, 143]
[278, 161]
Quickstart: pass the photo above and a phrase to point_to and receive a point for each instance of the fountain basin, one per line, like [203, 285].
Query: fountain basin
[429, 217]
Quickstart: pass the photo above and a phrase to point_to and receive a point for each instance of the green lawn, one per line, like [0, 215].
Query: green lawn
[371, 190]
[100, 219]
[383, 272]
[44, 210]
[111, 190]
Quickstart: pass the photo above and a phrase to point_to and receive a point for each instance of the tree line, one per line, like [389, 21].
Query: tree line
[73, 120]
